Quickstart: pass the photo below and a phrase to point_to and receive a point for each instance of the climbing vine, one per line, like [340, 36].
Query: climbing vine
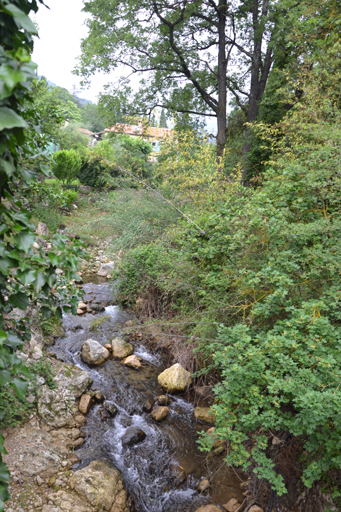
[27, 275]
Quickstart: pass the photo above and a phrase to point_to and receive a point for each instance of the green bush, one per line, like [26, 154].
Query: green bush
[65, 165]
[70, 197]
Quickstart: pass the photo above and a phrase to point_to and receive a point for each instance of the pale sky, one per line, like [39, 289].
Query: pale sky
[60, 32]
[61, 29]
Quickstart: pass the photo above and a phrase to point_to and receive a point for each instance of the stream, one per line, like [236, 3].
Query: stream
[151, 469]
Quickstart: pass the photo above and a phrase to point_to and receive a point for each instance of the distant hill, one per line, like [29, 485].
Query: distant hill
[83, 101]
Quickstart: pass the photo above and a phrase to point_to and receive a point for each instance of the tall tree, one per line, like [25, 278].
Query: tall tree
[190, 53]
[163, 120]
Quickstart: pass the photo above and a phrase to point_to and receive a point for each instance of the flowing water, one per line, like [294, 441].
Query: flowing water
[151, 469]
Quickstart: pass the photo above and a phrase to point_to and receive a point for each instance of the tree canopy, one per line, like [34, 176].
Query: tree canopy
[191, 54]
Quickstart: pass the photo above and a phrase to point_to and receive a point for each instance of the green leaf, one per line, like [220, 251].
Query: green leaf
[46, 312]
[27, 175]
[39, 282]
[4, 473]
[20, 386]
[26, 276]
[19, 300]
[5, 265]
[21, 18]
[13, 341]
[10, 119]
[5, 377]
[54, 259]
[25, 240]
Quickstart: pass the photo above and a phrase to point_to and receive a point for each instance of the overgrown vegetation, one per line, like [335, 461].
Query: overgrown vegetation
[256, 281]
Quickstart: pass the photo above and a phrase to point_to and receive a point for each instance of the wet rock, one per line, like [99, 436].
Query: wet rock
[133, 362]
[84, 404]
[148, 405]
[203, 485]
[94, 353]
[163, 400]
[159, 413]
[108, 410]
[133, 436]
[100, 486]
[232, 505]
[121, 349]
[204, 414]
[42, 229]
[208, 508]
[175, 379]
[178, 474]
[106, 269]
[98, 395]
[97, 306]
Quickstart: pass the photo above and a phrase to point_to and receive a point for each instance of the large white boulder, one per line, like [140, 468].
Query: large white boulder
[94, 353]
[106, 269]
[42, 229]
[175, 379]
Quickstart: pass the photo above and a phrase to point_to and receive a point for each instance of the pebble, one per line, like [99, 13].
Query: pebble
[40, 481]
[64, 463]
[203, 485]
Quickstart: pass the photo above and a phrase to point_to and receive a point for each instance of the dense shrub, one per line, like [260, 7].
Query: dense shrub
[65, 165]
[266, 267]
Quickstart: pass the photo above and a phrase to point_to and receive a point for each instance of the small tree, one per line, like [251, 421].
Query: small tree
[66, 165]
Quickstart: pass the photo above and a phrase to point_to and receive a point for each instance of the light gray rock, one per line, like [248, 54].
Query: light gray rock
[36, 347]
[56, 407]
[94, 353]
[42, 229]
[101, 486]
[42, 457]
[106, 269]
[72, 378]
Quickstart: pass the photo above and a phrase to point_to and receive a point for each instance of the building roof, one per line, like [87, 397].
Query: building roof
[86, 132]
[140, 131]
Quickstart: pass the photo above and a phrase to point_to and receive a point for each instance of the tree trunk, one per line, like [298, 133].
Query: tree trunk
[259, 76]
[222, 64]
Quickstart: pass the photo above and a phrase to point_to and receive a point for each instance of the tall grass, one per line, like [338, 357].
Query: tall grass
[127, 217]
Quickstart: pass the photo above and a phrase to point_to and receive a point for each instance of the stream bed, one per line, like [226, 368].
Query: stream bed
[153, 469]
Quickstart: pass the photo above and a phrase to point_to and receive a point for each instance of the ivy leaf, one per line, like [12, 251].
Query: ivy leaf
[25, 240]
[5, 265]
[10, 119]
[13, 341]
[45, 311]
[26, 276]
[21, 18]
[5, 377]
[20, 386]
[19, 300]
[39, 282]
[4, 473]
